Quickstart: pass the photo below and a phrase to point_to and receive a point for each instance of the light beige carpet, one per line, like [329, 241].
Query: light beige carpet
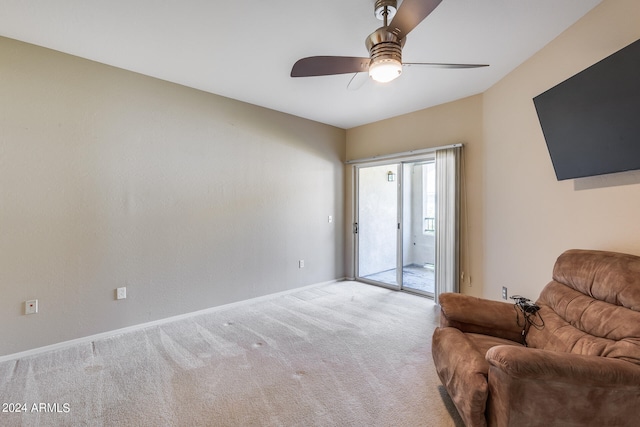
[344, 354]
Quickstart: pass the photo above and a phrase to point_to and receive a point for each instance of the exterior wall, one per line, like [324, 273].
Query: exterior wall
[190, 200]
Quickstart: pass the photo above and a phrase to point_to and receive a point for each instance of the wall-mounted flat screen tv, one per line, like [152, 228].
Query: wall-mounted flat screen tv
[591, 122]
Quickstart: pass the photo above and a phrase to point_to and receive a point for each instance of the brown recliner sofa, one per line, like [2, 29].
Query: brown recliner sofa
[577, 365]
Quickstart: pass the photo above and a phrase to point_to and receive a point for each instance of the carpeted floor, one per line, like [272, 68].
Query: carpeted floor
[343, 354]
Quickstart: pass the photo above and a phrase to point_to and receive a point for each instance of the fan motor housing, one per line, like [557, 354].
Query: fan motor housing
[383, 44]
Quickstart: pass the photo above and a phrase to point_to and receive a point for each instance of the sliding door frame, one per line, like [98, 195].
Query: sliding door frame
[398, 163]
[356, 219]
[398, 158]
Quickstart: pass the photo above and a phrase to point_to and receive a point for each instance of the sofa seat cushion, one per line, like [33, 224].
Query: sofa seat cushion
[461, 365]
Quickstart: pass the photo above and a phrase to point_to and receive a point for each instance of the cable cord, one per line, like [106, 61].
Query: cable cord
[530, 316]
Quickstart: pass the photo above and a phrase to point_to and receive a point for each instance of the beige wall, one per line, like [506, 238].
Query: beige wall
[451, 123]
[190, 200]
[520, 217]
[530, 217]
[109, 178]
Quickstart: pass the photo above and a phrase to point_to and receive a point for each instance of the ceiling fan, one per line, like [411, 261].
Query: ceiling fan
[384, 45]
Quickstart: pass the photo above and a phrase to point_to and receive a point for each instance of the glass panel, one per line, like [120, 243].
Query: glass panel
[378, 223]
[418, 227]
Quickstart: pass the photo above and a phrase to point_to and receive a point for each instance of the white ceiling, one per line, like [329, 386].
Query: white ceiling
[244, 49]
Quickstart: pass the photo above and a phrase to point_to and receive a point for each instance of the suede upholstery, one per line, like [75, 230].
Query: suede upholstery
[579, 367]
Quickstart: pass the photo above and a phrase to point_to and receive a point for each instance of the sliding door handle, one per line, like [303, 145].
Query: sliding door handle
[355, 228]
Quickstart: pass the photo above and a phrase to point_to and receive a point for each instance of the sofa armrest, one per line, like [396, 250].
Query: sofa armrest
[545, 365]
[551, 388]
[481, 316]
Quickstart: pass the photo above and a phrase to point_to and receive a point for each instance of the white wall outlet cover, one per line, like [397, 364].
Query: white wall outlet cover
[121, 293]
[31, 306]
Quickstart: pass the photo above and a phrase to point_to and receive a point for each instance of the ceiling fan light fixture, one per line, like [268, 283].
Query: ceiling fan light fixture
[384, 70]
[385, 51]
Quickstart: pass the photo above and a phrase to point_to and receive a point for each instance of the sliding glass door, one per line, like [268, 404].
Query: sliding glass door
[395, 225]
[419, 226]
[377, 224]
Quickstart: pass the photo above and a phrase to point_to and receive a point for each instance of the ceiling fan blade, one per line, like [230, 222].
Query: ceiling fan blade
[441, 65]
[329, 65]
[357, 81]
[410, 14]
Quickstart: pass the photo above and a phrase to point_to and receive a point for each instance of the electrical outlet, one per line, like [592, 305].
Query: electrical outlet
[329, 219]
[121, 293]
[504, 292]
[31, 306]
[301, 263]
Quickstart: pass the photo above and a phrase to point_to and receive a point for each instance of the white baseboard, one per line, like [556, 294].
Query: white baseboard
[108, 334]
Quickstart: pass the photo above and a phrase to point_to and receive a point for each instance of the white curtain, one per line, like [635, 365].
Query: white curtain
[447, 220]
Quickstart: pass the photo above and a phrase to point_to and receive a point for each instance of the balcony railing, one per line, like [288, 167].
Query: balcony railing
[429, 224]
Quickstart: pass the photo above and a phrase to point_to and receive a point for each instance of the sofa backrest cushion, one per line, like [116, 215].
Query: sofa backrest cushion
[606, 276]
[592, 306]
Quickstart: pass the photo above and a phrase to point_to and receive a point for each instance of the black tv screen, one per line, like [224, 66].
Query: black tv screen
[591, 122]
